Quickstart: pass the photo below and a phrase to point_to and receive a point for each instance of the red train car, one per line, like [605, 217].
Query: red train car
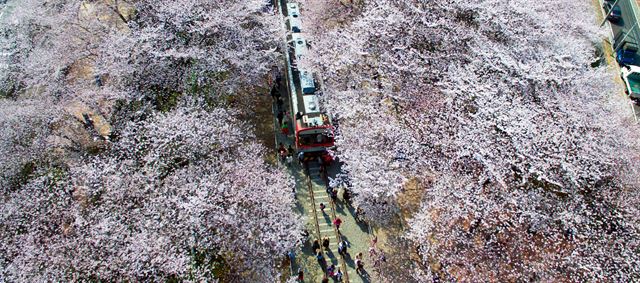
[312, 125]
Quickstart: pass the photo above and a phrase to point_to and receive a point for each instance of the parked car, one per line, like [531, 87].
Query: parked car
[614, 13]
[631, 77]
[626, 53]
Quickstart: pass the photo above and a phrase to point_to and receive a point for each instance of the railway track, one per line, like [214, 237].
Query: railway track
[318, 193]
[314, 180]
[313, 204]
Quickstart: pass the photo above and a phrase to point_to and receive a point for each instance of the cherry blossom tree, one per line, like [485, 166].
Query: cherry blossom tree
[525, 151]
[225, 44]
[179, 193]
[26, 129]
[136, 49]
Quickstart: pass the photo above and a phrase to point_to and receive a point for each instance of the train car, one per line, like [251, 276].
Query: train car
[311, 124]
[293, 18]
[299, 48]
[313, 128]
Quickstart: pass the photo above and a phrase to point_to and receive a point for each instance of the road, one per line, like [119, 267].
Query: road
[626, 25]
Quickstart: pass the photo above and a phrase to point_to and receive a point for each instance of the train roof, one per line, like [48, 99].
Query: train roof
[293, 17]
[307, 84]
[306, 102]
[299, 45]
[312, 116]
[293, 8]
[311, 104]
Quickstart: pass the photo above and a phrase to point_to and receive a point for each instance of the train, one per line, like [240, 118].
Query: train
[312, 125]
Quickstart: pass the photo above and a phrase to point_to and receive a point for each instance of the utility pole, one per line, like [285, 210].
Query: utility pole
[632, 10]
[606, 13]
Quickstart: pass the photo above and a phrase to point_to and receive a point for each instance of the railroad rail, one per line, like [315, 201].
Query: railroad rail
[338, 236]
[313, 204]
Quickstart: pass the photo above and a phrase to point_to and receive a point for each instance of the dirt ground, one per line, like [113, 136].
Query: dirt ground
[262, 120]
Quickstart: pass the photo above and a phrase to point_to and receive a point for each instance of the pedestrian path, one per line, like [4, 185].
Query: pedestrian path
[356, 234]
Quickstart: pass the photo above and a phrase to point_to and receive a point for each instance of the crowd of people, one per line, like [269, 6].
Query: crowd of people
[319, 248]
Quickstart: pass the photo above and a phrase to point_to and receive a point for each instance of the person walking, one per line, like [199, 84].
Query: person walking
[337, 223]
[278, 79]
[320, 258]
[382, 257]
[346, 196]
[329, 189]
[359, 263]
[372, 252]
[300, 275]
[292, 255]
[342, 247]
[315, 246]
[327, 159]
[275, 94]
[325, 279]
[359, 214]
[338, 275]
[331, 270]
[280, 103]
[322, 207]
[283, 152]
[280, 116]
[325, 242]
[334, 195]
[285, 128]
[290, 151]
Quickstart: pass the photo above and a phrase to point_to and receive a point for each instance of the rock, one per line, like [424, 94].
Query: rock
[72, 138]
[81, 70]
[90, 118]
[117, 13]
